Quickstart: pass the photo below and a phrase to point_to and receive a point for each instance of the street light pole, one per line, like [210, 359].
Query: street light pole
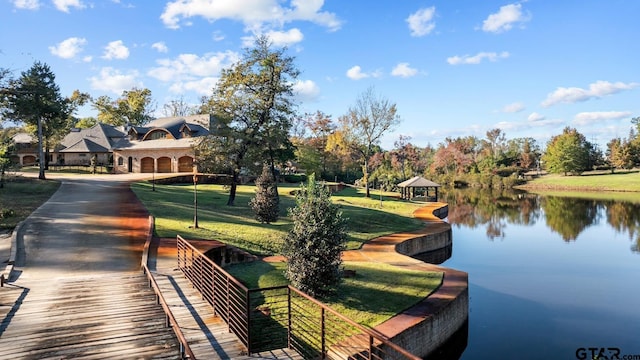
[195, 200]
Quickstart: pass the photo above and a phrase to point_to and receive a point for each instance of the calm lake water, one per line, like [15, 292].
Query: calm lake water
[547, 275]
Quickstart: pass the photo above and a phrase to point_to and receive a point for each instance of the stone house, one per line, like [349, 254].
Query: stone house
[81, 145]
[164, 145]
[25, 150]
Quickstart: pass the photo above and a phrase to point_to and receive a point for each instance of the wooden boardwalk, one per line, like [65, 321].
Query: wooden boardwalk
[108, 316]
[207, 335]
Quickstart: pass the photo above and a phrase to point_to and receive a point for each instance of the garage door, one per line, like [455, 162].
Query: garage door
[164, 165]
[185, 164]
[146, 165]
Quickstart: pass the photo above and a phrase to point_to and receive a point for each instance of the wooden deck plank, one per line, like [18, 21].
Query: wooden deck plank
[96, 317]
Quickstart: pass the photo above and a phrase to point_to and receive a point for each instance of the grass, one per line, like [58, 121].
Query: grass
[376, 293]
[173, 208]
[592, 181]
[21, 196]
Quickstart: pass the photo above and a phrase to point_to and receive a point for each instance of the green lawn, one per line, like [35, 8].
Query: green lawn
[375, 294]
[173, 208]
[20, 196]
[595, 181]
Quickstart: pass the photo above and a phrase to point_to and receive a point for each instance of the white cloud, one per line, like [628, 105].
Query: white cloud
[64, 5]
[202, 86]
[421, 22]
[306, 90]
[27, 4]
[188, 67]
[513, 108]
[404, 70]
[116, 50]
[477, 59]
[160, 46]
[596, 90]
[114, 81]
[253, 13]
[585, 118]
[355, 73]
[278, 38]
[68, 48]
[504, 19]
[534, 116]
[87, 58]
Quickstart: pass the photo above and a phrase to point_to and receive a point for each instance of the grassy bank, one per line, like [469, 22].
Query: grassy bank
[594, 181]
[376, 293]
[20, 196]
[173, 207]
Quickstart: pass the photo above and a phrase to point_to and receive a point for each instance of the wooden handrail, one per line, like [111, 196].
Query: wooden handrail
[185, 349]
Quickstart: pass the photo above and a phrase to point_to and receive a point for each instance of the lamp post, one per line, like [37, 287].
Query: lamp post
[153, 176]
[195, 199]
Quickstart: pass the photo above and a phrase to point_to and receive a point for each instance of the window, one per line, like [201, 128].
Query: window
[120, 161]
[157, 134]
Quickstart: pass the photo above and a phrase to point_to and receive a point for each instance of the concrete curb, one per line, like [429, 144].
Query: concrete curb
[5, 275]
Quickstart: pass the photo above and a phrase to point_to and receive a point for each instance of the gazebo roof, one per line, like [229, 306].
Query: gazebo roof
[418, 181]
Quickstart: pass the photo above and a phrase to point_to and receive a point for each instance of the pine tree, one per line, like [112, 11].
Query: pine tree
[314, 244]
[266, 203]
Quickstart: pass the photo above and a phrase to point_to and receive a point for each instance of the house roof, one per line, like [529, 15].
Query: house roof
[418, 181]
[83, 146]
[23, 138]
[98, 138]
[198, 125]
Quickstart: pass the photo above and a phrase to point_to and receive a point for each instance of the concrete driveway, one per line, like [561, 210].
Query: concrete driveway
[92, 224]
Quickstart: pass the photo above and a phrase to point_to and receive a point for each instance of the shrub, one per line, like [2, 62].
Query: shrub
[295, 178]
[266, 203]
[315, 242]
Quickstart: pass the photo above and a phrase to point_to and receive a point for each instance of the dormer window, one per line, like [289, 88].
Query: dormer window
[155, 135]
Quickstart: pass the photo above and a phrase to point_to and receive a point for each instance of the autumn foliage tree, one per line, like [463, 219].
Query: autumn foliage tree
[567, 153]
[362, 128]
[135, 107]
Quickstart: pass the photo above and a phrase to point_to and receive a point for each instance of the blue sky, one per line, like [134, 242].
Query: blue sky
[454, 68]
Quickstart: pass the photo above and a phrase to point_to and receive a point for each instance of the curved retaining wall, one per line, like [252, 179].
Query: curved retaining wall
[427, 325]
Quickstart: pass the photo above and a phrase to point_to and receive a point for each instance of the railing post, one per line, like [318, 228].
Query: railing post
[322, 333]
[228, 305]
[370, 347]
[289, 325]
[248, 310]
[214, 288]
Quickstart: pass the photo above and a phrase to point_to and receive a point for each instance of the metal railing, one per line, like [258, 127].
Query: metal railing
[226, 295]
[283, 316]
[170, 320]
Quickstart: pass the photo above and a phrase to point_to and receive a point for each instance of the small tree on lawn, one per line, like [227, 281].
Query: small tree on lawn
[314, 244]
[266, 203]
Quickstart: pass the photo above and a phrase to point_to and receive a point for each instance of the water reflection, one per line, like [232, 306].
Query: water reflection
[436, 257]
[566, 216]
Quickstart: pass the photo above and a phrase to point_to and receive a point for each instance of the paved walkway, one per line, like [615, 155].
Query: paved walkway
[76, 290]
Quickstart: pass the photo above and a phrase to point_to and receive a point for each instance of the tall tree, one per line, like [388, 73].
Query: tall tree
[314, 244]
[134, 107]
[254, 100]
[365, 123]
[35, 99]
[567, 153]
[178, 107]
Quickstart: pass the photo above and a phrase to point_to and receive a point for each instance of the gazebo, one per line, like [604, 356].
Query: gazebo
[418, 186]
